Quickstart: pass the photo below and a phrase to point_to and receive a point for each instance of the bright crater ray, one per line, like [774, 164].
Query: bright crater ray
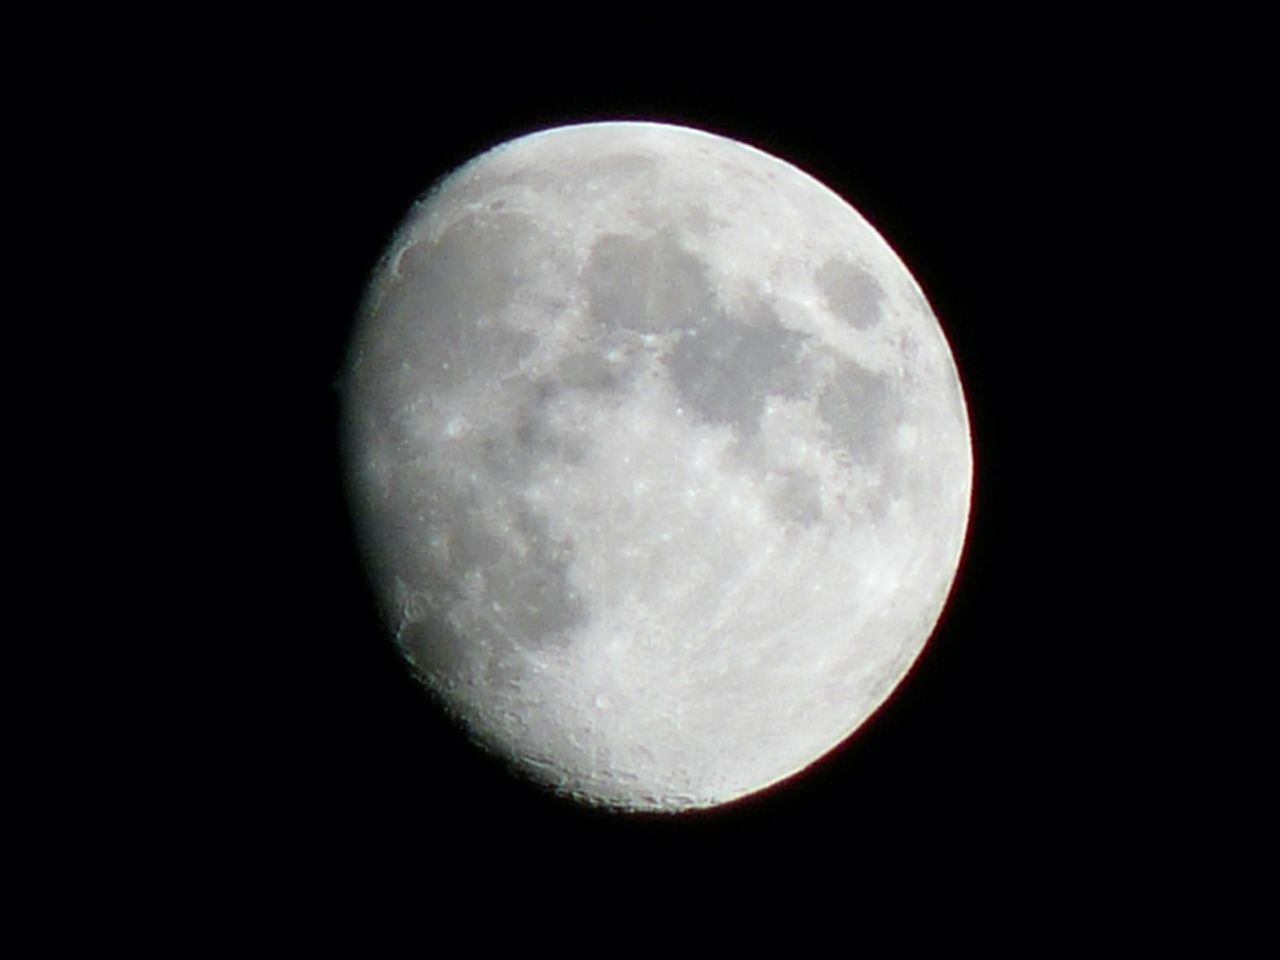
[659, 458]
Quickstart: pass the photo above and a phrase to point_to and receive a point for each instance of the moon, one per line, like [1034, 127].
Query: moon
[658, 458]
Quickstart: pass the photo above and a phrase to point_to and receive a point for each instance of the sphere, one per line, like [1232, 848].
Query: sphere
[659, 460]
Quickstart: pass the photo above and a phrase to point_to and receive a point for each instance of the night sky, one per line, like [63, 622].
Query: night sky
[997, 770]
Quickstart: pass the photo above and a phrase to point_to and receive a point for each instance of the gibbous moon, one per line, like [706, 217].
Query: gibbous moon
[659, 459]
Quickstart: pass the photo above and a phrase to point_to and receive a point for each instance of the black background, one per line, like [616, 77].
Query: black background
[1002, 773]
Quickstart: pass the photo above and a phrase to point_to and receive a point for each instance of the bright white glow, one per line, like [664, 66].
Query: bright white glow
[660, 458]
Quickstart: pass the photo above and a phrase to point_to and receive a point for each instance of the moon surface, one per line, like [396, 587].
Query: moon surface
[659, 460]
